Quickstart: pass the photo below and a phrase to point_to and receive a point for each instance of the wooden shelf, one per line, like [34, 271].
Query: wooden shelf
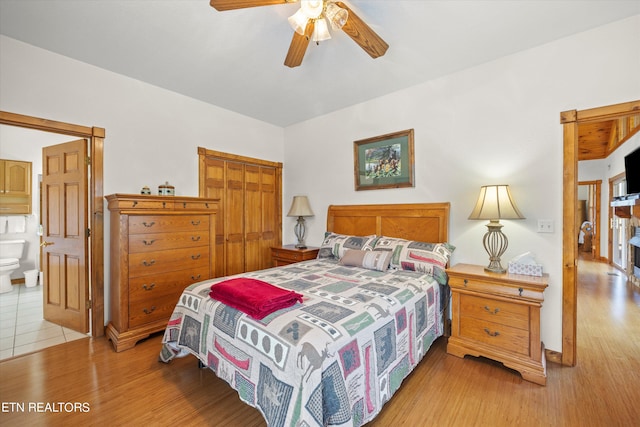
[625, 208]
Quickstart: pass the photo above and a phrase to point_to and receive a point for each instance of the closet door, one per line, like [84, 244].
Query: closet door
[249, 220]
[271, 219]
[235, 218]
[213, 186]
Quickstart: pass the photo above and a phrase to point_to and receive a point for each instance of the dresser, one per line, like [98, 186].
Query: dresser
[498, 316]
[288, 254]
[159, 246]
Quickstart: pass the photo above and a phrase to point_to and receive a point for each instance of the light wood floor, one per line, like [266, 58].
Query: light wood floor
[133, 388]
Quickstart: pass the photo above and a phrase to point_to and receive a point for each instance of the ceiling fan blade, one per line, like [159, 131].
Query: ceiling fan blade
[362, 34]
[221, 5]
[298, 46]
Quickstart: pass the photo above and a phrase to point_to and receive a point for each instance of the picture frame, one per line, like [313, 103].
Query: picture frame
[385, 161]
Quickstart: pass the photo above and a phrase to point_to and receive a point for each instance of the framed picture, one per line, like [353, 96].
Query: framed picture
[384, 161]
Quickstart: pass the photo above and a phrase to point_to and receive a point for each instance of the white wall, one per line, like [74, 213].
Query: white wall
[493, 124]
[152, 134]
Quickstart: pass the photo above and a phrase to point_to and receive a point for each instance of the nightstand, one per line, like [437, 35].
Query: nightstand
[498, 316]
[288, 254]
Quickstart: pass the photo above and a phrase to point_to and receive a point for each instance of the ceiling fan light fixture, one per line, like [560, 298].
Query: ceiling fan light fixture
[312, 8]
[298, 21]
[320, 31]
[336, 15]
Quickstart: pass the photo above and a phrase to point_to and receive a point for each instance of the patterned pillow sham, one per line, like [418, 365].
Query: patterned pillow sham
[334, 245]
[371, 260]
[428, 258]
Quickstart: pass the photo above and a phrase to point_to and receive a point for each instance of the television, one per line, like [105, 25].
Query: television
[632, 171]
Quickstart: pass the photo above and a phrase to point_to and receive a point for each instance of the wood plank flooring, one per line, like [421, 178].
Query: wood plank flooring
[133, 388]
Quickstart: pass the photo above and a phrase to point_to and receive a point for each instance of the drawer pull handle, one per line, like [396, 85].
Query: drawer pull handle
[520, 290]
[148, 224]
[184, 205]
[195, 238]
[135, 202]
[496, 311]
[148, 288]
[195, 277]
[153, 308]
[148, 264]
[195, 257]
[491, 334]
[466, 282]
[148, 242]
[195, 222]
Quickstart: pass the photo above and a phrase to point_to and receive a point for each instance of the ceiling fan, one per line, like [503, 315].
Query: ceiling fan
[310, 23]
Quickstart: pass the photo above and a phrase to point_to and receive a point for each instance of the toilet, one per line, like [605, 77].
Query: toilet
[10, 254]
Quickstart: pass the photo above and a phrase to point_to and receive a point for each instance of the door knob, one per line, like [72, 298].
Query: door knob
[47, 243]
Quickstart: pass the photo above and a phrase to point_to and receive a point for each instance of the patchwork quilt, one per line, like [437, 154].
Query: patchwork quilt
[334, 359]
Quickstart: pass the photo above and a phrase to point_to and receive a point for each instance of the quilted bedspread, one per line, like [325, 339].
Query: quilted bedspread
[334, 359]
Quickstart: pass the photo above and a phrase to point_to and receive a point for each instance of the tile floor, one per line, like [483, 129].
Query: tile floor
[22, 328]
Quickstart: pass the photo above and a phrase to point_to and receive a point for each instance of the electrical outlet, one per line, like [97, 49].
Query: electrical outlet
[545, 226]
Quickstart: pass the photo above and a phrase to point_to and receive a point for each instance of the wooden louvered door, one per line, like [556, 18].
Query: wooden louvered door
[249, 223]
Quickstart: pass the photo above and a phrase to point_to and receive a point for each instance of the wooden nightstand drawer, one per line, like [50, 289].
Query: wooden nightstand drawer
[496, 311]
[488, 286]
[288, 254]
[495, 334]
[498, 316]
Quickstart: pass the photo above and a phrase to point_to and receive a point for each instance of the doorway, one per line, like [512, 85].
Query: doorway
[571, 122]
[589, 219]
[95, 211]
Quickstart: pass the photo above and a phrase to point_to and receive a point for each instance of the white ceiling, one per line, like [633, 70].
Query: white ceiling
[234, 59]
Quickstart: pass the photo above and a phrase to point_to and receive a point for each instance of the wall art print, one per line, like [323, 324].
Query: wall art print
[385, 161]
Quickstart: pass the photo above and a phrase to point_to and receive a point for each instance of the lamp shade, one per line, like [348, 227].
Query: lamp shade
[298, 21]
[495, 202]
[320, 31]
[336, 15]
[300, 207]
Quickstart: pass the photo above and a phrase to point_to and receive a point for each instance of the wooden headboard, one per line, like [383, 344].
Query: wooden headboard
[425, 222]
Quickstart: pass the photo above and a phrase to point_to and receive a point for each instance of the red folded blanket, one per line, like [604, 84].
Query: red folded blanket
[254, 297]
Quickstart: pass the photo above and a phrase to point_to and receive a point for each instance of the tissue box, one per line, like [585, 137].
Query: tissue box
[528, 269]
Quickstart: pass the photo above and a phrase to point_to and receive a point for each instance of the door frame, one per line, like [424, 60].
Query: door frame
[570, 121]
[95, 136]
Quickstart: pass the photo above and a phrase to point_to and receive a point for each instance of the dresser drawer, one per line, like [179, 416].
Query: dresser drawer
[146, 263]
[493, 310]
[147, 311]
[162, 241]
[146, 224]
[148, 288]
[195, 205]
[497, 335]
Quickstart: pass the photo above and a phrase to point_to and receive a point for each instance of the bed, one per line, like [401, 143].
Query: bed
[339, 355]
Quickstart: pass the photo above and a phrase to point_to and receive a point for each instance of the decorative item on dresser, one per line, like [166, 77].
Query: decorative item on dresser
[288, 254]
[159, 246]
[498, 316]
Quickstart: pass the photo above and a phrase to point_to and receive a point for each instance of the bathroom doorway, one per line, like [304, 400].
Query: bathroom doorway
[95, 206]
